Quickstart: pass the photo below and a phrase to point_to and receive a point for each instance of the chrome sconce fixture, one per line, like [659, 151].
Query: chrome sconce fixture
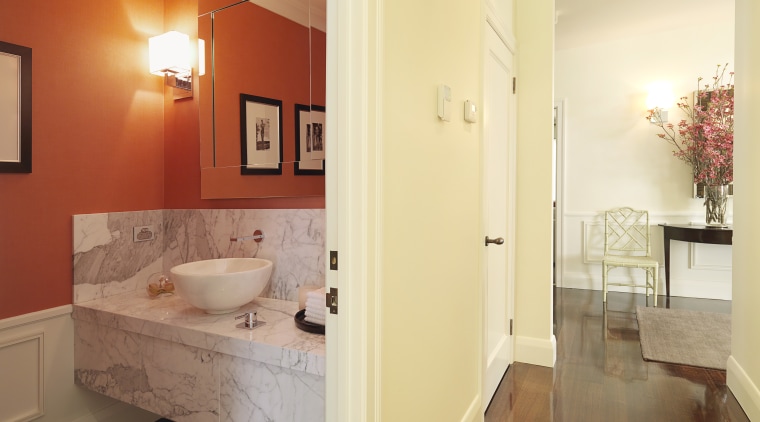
[660, 100]
[170, 58]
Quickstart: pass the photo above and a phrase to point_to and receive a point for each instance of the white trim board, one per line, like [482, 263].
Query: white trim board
[745, 391]
[536, 351]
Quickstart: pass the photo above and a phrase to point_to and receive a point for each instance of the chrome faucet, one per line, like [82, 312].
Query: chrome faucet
[257, 237]
[250, 321]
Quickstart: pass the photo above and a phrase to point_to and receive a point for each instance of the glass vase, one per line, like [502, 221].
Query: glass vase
[716, 198]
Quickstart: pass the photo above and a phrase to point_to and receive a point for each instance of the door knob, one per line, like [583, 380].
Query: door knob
[498, 241]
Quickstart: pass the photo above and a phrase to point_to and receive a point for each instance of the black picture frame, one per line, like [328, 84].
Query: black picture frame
[260, 149]
[303, 121]
[16, 141]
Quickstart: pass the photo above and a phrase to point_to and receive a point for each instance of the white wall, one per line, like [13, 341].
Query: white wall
[534, 30]
[37, 373]
[429, 212]
[612, 156]
[743, 371]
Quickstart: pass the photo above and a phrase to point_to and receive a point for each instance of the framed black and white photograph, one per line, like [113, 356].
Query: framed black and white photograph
[309, 136]
[317, 150]
[260, 135]
[15, 108]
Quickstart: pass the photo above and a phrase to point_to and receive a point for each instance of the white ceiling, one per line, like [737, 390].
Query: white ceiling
[581, 22]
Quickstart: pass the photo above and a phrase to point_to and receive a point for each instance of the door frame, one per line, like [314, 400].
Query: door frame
[561, 107]
[352, 192]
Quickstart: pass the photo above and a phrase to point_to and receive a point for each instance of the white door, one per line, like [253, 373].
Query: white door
[498, 199]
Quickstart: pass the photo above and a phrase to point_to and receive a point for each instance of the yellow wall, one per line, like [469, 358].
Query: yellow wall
[430, 220]
[534, 30]
[743, 375]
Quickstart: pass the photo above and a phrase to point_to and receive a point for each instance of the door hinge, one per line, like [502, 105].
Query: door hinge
[514, 84]
[334, 260]
[510, 326]
[331, 300]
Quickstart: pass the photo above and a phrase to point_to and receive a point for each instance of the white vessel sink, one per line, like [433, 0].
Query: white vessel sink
[220, 286]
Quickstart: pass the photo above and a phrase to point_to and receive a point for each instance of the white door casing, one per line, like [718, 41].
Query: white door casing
[498, 208]
[351, 193]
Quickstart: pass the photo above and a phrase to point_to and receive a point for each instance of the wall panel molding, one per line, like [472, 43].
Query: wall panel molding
[22, 395]
[42, 343]
[697, 270]
[35, 317]
[695, 257]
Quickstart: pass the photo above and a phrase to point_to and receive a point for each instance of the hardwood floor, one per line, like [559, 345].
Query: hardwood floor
[606, 379]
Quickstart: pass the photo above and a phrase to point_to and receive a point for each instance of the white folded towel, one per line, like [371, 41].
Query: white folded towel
[318, 312]
[315, 307]
[316, 294]
[314, 320]
[315, 303]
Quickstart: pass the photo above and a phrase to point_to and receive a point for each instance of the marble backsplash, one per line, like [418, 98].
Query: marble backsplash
[107, 261]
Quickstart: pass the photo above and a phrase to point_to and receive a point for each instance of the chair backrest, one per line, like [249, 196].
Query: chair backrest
[626, 232]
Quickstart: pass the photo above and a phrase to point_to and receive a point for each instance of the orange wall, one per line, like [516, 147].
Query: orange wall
[105, 139]
[97, 130]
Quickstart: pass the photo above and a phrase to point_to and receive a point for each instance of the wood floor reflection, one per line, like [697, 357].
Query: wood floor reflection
[601, 376]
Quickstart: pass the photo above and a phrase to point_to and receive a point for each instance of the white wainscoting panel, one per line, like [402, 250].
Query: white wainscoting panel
[21, 370]
[37, 374]
[696, 270]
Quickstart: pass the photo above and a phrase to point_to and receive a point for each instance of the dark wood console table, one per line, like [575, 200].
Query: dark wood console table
[694, 234]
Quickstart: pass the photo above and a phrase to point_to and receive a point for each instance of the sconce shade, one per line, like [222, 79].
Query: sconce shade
[660, 96]
[170, 54]
[201, 57]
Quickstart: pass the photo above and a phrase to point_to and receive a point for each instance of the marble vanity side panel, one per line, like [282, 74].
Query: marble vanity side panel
[254, 391]
[106, 259]
[294, 242]
[176, 381]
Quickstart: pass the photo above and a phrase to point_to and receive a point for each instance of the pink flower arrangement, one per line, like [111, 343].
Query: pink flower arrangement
[705, 139]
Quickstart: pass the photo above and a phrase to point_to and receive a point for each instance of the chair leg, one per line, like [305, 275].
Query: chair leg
[654, 275]
[604, 283]
[647, 282]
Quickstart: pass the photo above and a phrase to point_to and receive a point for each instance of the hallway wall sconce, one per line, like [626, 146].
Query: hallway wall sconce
[170, 58]
[660, 99]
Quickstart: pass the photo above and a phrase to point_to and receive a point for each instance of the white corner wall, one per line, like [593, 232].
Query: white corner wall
[612, 156]
[743, 372]
[37, 373]
[534, 31]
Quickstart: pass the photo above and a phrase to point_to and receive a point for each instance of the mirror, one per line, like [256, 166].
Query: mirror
[264, 72]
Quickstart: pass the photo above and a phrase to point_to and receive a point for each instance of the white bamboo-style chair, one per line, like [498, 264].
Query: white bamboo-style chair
[627, 244]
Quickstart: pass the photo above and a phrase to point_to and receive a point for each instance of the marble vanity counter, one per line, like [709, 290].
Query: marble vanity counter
[278, 342]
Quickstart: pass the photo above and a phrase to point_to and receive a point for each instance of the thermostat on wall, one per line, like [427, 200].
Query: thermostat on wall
[470, 112]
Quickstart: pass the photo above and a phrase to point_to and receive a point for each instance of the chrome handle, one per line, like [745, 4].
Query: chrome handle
[498, 241]
[250, 322]
[250, 319]
[257, 237]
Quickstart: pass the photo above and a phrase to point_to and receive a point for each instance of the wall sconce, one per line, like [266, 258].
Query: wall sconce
[170, 58]
[660, 99]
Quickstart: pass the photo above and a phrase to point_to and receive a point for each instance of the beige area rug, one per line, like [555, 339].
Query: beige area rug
[685, 337]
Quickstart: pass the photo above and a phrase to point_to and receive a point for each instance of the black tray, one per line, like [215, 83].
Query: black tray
[307, 326]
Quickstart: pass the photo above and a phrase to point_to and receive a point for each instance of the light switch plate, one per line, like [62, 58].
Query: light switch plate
[143, 233]
[444, 103]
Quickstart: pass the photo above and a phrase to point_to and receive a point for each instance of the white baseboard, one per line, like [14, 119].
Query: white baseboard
[473, 411]
[536, 351]
[693, 288]
[745, 391]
